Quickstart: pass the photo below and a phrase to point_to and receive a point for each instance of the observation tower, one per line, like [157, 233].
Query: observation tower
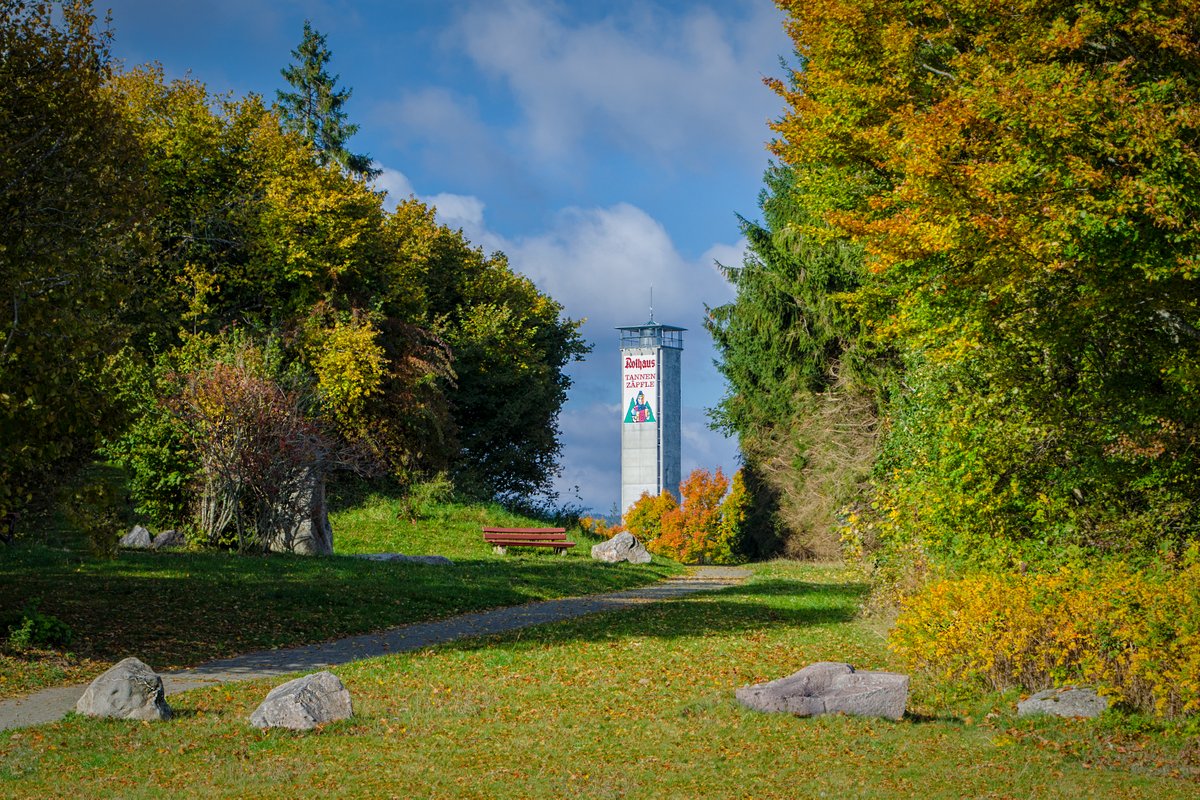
[650, 402]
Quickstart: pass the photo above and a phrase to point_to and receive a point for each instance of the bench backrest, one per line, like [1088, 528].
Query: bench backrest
[524, 530]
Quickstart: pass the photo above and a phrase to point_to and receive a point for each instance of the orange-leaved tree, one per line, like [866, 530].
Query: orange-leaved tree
[706, 529]
[644, 519]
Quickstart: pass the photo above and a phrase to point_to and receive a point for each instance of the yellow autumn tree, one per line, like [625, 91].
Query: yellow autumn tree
[1019, 176]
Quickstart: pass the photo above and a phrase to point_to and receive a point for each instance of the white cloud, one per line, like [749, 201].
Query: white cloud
[396, 184]
[602, 262]
[458, 210]
[453, 210]
[728, 255]
[641, 79]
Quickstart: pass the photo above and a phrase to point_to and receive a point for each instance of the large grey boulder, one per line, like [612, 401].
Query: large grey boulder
[622, 547]
[1064, 702]
[304, 703]
[130, 690]
[137, 539]
[168, 539]
[303, 518]
[828, 687]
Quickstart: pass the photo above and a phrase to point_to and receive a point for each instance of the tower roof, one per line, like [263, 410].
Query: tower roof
[651, 334]
[650, 324]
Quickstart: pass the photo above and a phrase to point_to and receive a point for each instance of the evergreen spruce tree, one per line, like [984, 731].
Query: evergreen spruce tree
[315, 108]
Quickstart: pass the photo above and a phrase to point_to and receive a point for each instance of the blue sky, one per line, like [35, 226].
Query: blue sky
[604, 147]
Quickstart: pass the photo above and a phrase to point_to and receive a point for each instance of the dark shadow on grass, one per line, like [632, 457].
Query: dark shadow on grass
[209, 606]
[780, 588]
[750, 610]
[213, 605]
[754, 607]
[178, 712]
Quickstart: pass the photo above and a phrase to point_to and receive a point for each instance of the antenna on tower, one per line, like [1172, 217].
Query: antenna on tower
[652, 304]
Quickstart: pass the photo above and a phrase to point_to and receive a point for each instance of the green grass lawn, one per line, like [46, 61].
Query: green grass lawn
[632, 704]
[176, 609]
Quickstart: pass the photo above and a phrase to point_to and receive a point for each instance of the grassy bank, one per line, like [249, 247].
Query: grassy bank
[174, 609]
[634, 704]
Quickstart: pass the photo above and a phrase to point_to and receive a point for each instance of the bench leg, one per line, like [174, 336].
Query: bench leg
[498, 550]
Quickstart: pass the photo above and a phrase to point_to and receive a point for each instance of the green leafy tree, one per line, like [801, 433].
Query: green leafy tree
[785, 332]
[314, 107]
[511, 345]
[731, 542]
[251, 230]
[255, 237]
[1021, 179]
[417, 347]
[204, 179]
[802, 378]
[71, 198]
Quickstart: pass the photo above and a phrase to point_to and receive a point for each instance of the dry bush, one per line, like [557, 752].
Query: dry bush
[259, 448]
[813, 466]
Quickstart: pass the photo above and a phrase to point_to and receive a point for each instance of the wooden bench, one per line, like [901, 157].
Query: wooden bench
[503, 538]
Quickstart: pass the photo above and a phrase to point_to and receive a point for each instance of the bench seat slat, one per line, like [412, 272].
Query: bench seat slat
[527, 537]
[543, 539]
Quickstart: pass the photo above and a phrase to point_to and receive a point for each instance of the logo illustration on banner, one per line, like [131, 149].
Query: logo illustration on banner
[639, 410]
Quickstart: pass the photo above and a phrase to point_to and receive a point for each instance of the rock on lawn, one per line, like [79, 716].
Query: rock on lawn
[304, 703]
[828, 687]
[137, 539]
[1065, 702]
[130, 690]
[622, 547]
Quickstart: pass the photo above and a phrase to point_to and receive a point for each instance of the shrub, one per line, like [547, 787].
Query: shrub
[32, 628]
[1133, 633]
[709, 528]
[94, 509]
[732, 537]
[255, 446]
[153, 448]
[598, 527]
[420, 498]
[245, 416]
[689, 532]
[644, 518]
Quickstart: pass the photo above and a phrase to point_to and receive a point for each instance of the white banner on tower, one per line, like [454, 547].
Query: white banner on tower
[639, 377]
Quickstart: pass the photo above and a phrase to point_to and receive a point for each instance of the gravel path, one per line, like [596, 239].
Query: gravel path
[51, 704]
